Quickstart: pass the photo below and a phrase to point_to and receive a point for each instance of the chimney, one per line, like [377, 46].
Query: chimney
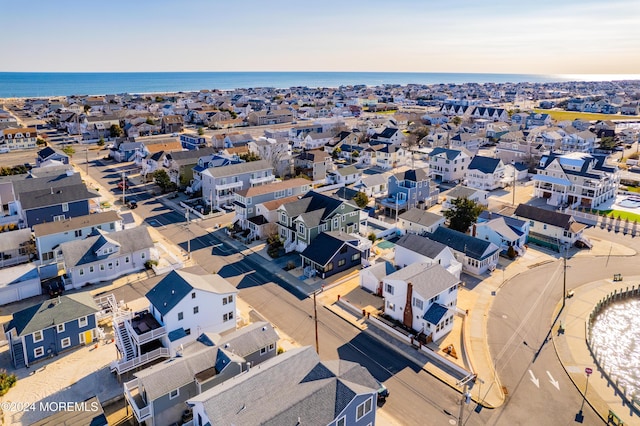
[473, 230]
[51, 190]
[408, 311]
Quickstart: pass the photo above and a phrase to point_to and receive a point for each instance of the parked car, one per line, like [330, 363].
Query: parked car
[133, 205]
[383, 392]
[121, 184]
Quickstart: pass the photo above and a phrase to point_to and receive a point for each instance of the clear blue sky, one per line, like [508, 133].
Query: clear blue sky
[537, 37]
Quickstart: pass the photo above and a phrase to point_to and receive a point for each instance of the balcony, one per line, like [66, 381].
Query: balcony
[144, 328]
[261, 180]
[393, 203]
[121, 367]
[232, 185]
[141, 409]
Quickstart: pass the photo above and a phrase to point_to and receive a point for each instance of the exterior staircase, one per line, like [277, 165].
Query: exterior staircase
[18, 355]
[124, 343]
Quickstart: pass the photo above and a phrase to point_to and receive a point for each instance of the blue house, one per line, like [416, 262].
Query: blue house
[51, 327]
[48, 205]
[408, 189]
[48, 153]
[333, 252]
[190, 141]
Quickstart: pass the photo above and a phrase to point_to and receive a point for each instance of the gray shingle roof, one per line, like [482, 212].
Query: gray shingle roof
[421, 245]
[421, 217]
[177, 284]
[82, 252]
[472, 247]
[34, 184]
[428, 280]
[483, 164]
[461, 191]
[306, 390]
[544, 216]
[49, 197]
[240, 168]
[52, 312]
[49, 228]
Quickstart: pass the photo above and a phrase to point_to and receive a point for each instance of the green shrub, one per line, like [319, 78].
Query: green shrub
[150, 263]
[7, 381]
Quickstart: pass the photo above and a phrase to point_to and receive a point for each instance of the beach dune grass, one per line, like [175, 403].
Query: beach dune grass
[588, 116]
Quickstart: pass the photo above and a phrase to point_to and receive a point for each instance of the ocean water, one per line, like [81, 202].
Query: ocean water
[32, 84]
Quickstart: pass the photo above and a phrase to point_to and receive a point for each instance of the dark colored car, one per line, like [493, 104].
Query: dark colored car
[54, 288]
[133, 205]
[383, 392]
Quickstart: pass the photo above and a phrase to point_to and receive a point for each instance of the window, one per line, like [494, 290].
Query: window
[38, 352]
[342, 421]
[58, 218]
[301, 228]
[81, 271]
[341, 262]
[195, 310]
[263, 350]
[102, 266]
[364, 409]
[187, 332]
[65, 343]
[37, 336]
[126, 259]
[110, 265]
[230, 299]
[193, 295]
[78, 233]
[355, 257]
[227, 317]
[82, 322]
[417, 303]
[174, 394]
[225, 301]
[272, 347]
[65, 207]
[180, 316]
[142, 255]
[60, 328]
[389, 289]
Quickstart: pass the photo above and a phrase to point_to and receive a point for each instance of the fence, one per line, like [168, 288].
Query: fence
[610, 223]
[632, 400]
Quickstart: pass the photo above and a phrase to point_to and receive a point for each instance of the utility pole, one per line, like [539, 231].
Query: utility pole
[466, 396]
[86, 159]
[315, 319]
[186, 215]
[124, 189]
[513, 199]
[564, 280]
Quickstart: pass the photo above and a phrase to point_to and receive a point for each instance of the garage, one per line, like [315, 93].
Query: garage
[19, 282]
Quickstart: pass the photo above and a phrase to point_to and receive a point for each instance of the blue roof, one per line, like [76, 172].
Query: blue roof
[451, 154]
[435, 313]
[176, 334]
[472, 247]
[168, 292]
[484, 164]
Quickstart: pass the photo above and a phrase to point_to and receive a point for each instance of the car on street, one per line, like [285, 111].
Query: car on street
[383, 392]
[133, 204]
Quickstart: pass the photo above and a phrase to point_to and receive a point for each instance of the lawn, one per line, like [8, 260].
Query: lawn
[572, 115]
[619, 213]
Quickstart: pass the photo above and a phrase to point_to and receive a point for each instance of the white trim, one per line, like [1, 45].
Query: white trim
[80, 321]
[38, 349]
[60, 328]
[41, 336]
[177, 393]
[62, 342]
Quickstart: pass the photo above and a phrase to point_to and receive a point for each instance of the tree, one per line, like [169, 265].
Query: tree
[336, 153]
[69, 150]
[163, 180]
[361, 199]
[249, 156]
[463, 213]
[456, 120]
[150, 121]
[200, 131]
[87, 108]
[607, 142]
[41, 142]
[101, 141]
[115, 131]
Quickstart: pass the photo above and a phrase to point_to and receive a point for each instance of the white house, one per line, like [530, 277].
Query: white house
[419, 221]
[413, 248]
[103, 257]
[551, 228]
[424, 297]
[448, 165]
[344, 175]
[461, 191]
[485, 173]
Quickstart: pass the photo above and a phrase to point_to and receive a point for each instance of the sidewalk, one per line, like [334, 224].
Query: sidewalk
[574, 353]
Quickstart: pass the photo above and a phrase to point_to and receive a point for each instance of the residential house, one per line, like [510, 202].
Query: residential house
[313, 164]
[485, 173]
[448, 165]
[419, 221]
[389, 156]
[423, 296]
[264, 223]
[344, 175]
[477, 256]
[269, 117]
[276, 151]
[315, 141]
[301, 221]
[515, 172]
[503, 231]
[48, 236]
[496, 114]
[469, 141]
[16, 247]
[389, 135]
[246, 200]
[183, 166]
[371, 276]
[575, 179]
[583, 141]
[157, 395]
[337, 393]
[537, 119]
[460, 191]
[229, 140]
[129, 151]
[374, 185]
[51, 327]
[50, 154]
[172, 124]
[103, 256]
[551, 228]
[412, 248]
[333, 252]
[12, 139]
[219, 184]
[48, 199]
[192, 141]
[408, 189]
[183, 305]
